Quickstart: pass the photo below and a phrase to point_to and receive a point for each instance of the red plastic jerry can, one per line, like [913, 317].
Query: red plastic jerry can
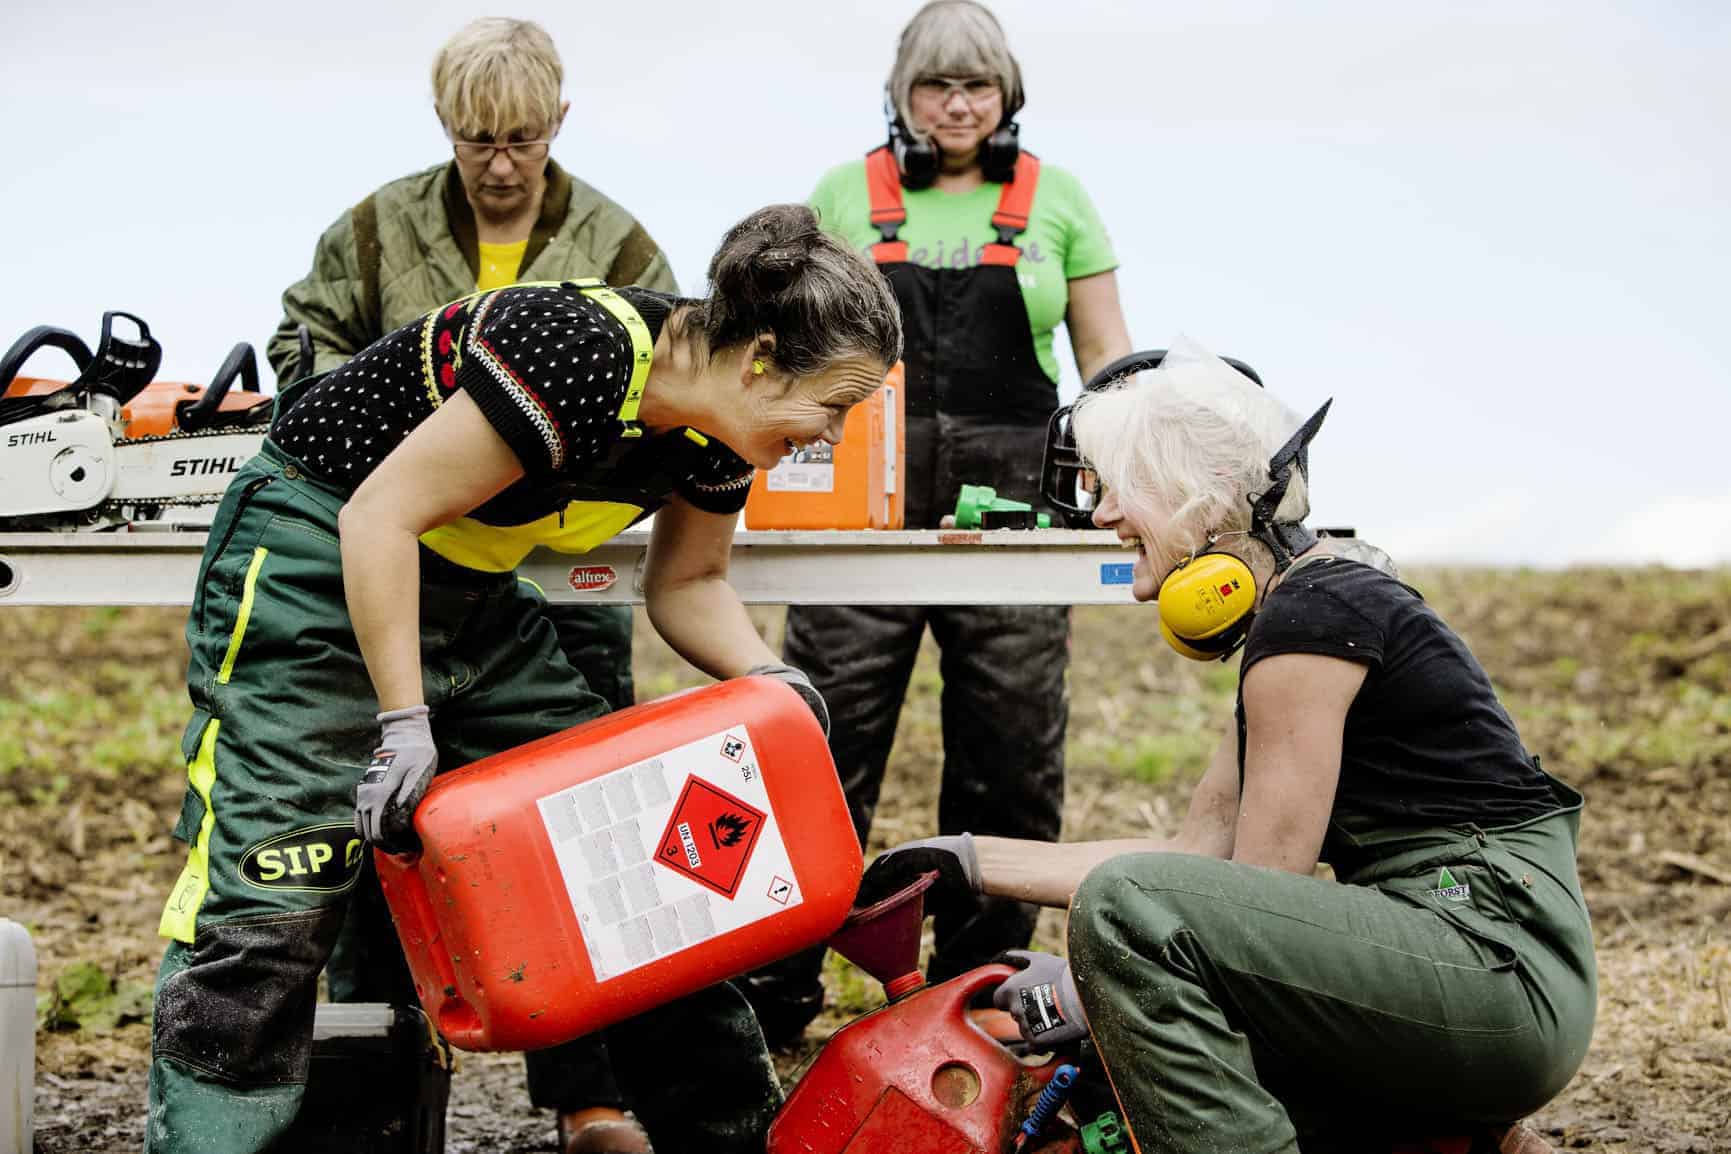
[919, 1076]
[575, 881]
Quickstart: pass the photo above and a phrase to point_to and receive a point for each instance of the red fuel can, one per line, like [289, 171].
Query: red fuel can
[575, 881]
[919, 1076]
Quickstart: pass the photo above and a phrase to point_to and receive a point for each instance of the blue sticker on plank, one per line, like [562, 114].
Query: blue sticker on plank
[1117, 574]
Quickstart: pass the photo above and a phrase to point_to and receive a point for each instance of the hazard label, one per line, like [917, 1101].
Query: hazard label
[705, 800]
[710, 836]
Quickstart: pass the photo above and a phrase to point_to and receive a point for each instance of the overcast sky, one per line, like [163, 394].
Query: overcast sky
[1497, 234]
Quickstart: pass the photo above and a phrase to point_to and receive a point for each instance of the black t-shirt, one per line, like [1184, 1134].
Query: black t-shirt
[549, 368]
[1426, 741]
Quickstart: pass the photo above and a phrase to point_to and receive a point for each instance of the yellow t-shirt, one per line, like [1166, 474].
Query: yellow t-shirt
[499, 264]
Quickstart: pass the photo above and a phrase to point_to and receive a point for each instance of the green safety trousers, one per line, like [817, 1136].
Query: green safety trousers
[1448, 979]
[282, 727]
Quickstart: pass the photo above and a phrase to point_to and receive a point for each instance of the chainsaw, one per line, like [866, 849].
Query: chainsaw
[113, 448]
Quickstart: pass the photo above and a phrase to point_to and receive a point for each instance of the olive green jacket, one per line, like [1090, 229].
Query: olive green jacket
[412, 246]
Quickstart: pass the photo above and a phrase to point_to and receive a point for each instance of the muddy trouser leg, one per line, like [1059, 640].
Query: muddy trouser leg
[596, 640]
[1005, 708]
[860, 658]
[1226, 999]
[281, 732]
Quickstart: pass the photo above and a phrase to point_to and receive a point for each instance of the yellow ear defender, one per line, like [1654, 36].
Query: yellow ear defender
[1205, 605]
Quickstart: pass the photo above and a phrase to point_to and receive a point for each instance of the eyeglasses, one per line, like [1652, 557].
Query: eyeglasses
[976, 90]
[483, 151]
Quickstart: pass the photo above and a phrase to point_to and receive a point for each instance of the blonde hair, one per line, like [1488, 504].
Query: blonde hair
[497, 76]
[952, 38]
[1190, 439]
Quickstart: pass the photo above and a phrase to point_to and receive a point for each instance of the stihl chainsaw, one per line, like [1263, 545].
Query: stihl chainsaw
[114, 449]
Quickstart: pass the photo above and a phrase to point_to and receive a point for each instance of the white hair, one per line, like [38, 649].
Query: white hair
[952, 38]
[1190, 440]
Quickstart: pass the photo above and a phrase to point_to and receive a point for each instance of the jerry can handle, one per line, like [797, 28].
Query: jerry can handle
[453, 1015]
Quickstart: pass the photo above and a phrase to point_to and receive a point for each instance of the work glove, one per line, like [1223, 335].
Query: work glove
[951, 857]
[1042, 999]
[397, 779]
[801, 685]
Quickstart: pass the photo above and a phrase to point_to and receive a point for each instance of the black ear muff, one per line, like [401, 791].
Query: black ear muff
[916, 160]
[999, 153]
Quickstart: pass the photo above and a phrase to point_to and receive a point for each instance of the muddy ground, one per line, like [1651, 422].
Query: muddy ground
[1622, 680]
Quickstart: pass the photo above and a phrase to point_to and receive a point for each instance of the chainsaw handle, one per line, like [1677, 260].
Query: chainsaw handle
[241, 362]
[38, 337]
[122, 367]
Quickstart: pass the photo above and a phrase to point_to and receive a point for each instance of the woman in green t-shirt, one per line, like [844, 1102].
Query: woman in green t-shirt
[988, 250]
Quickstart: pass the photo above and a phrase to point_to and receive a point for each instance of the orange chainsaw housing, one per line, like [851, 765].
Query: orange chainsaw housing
[858, 484]
[597, 873]
[153, 412]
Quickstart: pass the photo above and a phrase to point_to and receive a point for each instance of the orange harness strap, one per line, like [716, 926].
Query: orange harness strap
[1015, 202]
[884, 193]
[884, 190]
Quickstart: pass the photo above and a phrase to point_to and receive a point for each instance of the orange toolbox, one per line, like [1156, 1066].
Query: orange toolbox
[857, 484]
[575, 881]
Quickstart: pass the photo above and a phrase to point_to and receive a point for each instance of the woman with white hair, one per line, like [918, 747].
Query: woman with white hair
[1443, 980]
[989, 250]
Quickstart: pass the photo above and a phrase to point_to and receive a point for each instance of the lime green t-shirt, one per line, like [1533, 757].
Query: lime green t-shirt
[1064, 239]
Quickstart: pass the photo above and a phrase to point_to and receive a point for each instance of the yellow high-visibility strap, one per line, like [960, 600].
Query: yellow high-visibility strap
[642, 345]
[180, 912]
[241, 618]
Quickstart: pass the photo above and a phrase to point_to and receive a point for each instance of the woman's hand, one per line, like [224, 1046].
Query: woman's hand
[951, 858]
[801, 685]
[392, 787]
[1042, 999]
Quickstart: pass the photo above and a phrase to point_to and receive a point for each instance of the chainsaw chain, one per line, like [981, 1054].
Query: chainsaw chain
[117, 508]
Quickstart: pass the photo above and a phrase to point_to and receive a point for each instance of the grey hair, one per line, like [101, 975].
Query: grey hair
[1190, 440]
[777, 272]
[952, 38]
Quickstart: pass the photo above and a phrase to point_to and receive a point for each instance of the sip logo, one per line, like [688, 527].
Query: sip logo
[320, 858]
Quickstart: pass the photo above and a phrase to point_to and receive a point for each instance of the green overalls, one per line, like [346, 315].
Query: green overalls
[1447, 977]
[282, 728]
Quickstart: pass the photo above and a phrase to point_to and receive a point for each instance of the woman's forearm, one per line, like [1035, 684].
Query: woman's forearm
[706, 623]
[382, 584]
[1047, 873]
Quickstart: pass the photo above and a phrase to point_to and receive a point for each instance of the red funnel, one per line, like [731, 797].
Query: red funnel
[883, 939]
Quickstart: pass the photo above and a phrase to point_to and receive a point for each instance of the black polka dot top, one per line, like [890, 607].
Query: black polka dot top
[547, 366]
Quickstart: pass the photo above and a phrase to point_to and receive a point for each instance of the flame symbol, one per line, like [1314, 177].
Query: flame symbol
[727, 829]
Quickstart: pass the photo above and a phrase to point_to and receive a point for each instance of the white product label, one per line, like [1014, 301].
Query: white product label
[810, 470]
[889, 438]
[660, 856]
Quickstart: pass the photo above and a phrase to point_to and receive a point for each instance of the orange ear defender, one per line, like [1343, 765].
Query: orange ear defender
[1205, 605]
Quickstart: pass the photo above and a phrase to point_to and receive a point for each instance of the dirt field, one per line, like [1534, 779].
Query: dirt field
[1622, 681]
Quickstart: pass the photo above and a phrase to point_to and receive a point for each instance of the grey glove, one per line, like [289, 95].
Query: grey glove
[394, 784]
[951, 857]
[801, 684]
[1042, 999]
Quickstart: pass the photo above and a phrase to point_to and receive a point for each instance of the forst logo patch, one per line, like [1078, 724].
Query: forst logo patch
[321, 858]
[710, 836]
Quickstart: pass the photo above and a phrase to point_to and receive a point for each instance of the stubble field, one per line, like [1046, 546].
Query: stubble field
[1621, 680]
